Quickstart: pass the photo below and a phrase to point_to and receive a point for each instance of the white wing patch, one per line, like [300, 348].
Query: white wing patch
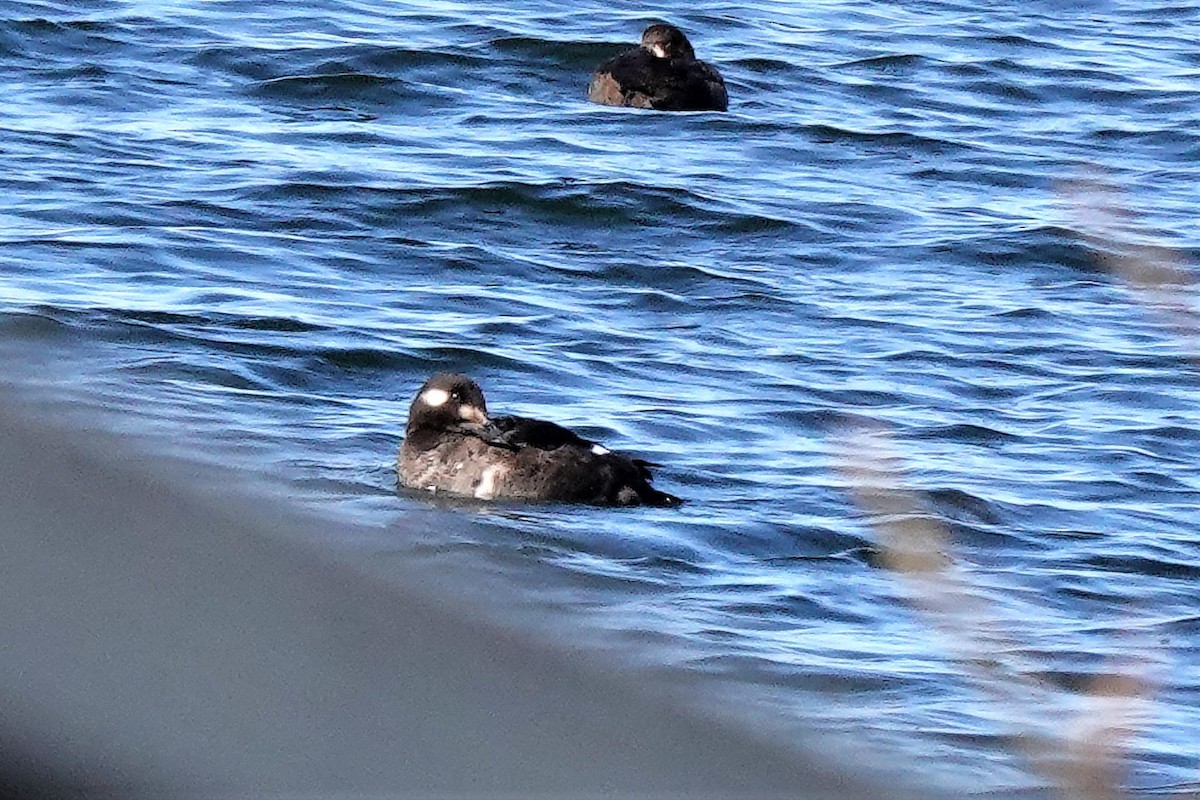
[486, 489]
[600, 450]
[435, 397]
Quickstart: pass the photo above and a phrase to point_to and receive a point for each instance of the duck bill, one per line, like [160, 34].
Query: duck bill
[473, 414]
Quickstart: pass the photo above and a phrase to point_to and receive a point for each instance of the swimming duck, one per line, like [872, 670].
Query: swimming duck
[452, 445]
[663, 74]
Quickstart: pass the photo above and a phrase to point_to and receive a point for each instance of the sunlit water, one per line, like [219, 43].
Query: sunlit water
[249, 231]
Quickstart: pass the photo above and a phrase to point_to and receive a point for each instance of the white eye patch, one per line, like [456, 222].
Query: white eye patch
[659, 51]
[600, 450]
[435, 398]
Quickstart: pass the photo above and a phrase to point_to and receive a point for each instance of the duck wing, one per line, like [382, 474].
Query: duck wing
[590, 473]
[707, 87]
[628, 79]
[516, 433]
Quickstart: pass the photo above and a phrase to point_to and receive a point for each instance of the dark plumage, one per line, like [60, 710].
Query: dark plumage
[451, 445]
[663, 74]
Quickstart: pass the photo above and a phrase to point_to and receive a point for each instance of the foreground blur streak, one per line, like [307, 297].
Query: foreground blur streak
[1082, 756]
[163, 638]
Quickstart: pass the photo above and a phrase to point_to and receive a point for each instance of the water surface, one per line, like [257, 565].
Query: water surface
[249, 233]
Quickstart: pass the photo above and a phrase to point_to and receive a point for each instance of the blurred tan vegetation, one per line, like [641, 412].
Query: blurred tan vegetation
[1083, 758]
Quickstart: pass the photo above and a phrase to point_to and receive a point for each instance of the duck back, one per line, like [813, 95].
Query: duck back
[638, 79]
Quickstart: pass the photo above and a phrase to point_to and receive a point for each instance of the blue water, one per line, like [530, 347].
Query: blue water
[249, 231]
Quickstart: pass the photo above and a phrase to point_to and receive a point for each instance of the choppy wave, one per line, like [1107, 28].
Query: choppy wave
[253, 236]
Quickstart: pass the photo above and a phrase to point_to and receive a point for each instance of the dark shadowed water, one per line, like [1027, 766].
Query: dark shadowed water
[249, 231]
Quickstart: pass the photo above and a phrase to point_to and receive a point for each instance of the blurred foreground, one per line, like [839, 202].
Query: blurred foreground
[164, 636]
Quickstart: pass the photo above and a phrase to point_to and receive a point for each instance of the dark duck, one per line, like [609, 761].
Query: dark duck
[663, 74]
[452, 445]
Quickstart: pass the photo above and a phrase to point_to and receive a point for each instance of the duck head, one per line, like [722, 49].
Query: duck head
[667, 41]
[447, 400]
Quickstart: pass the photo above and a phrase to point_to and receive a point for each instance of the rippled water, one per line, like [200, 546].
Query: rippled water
[251, 231]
